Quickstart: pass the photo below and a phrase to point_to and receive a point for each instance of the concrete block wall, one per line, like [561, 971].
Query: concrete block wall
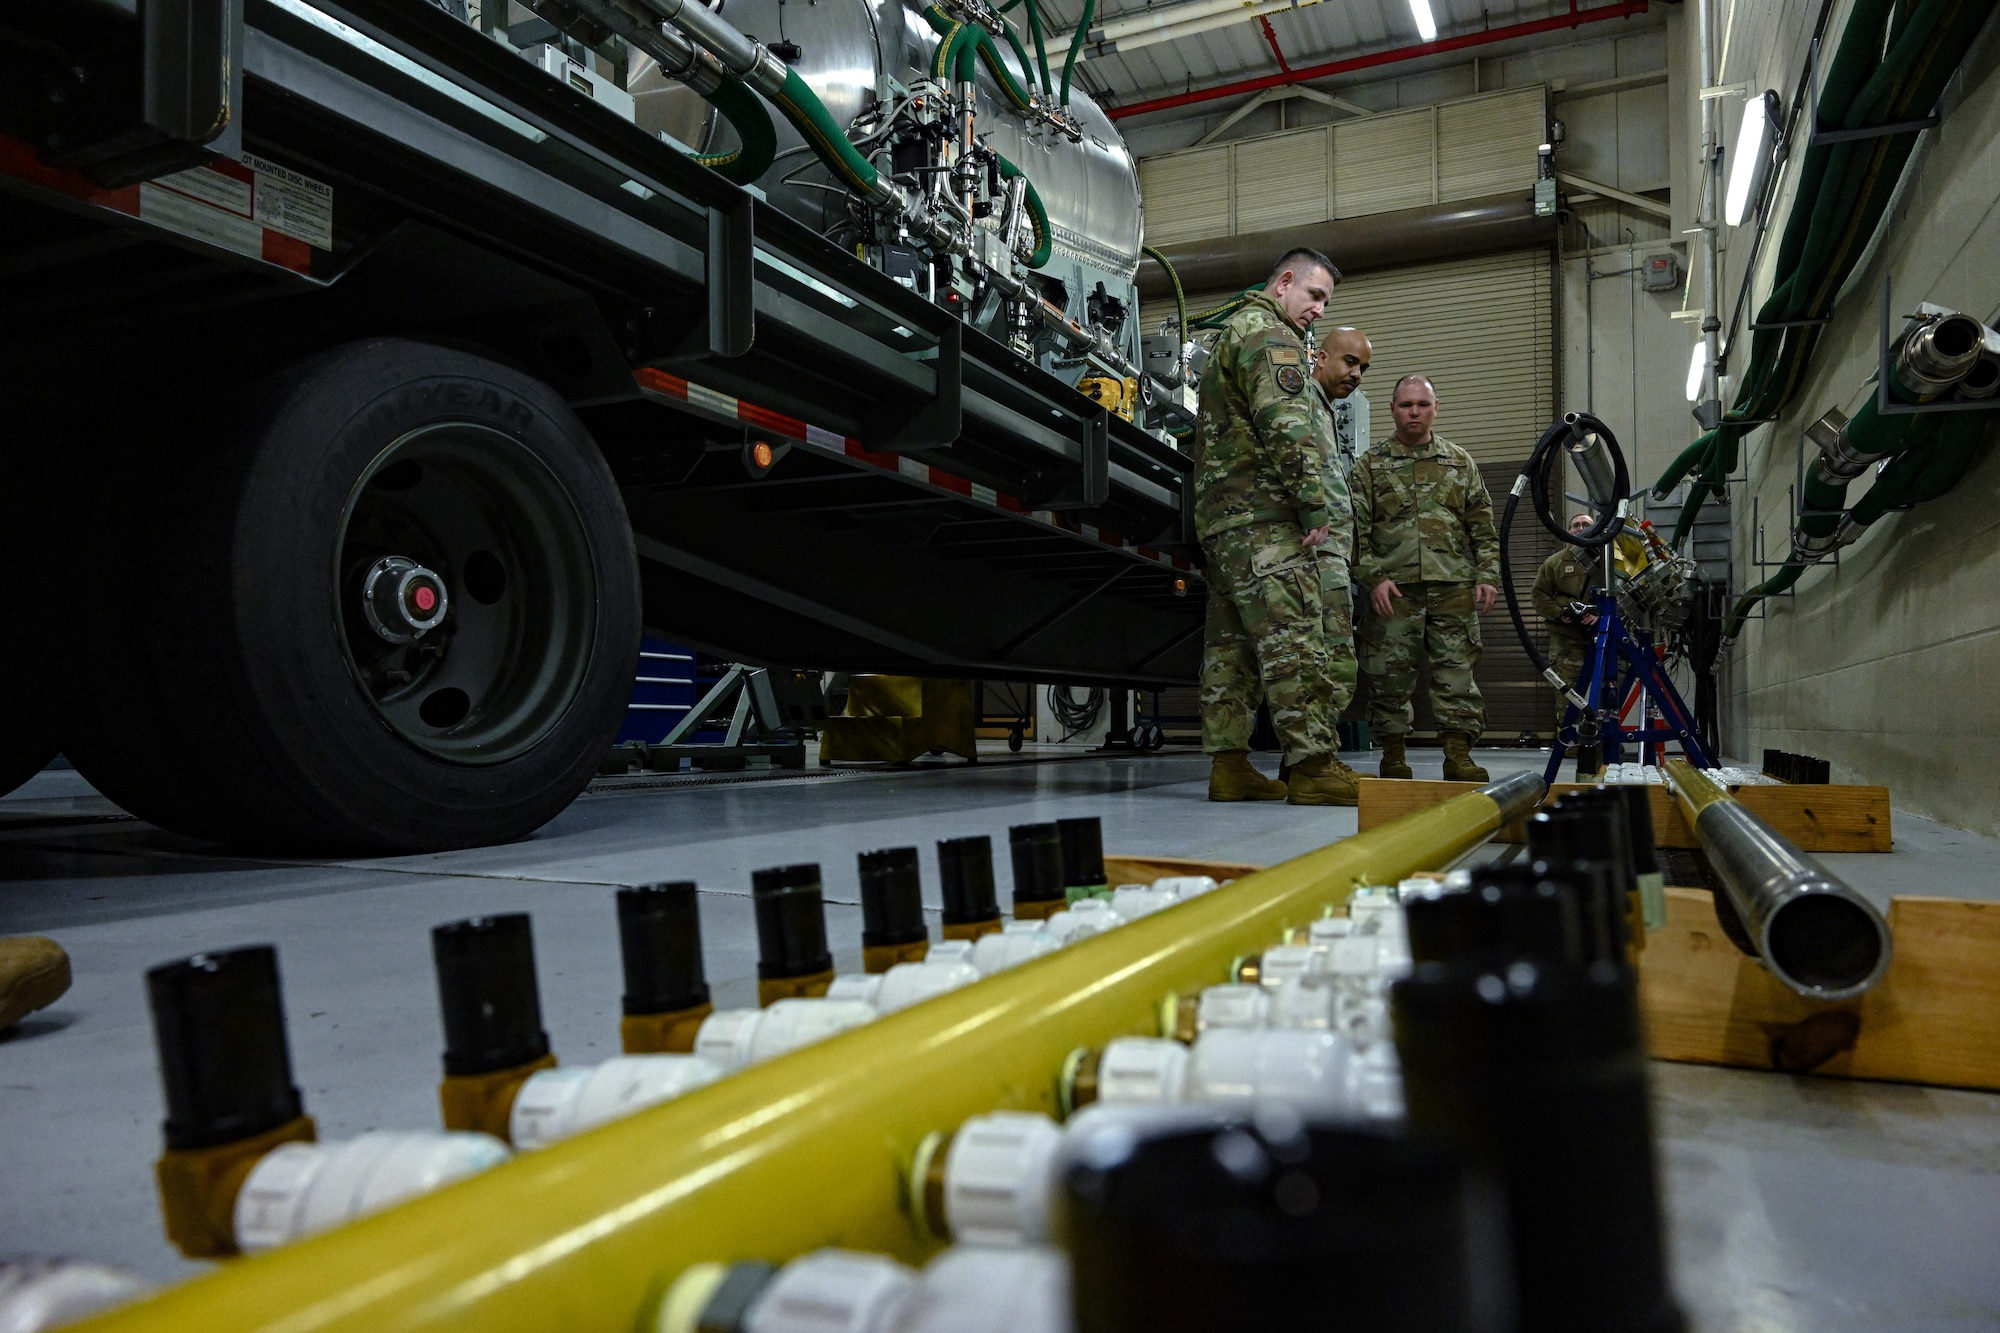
[1889, 666]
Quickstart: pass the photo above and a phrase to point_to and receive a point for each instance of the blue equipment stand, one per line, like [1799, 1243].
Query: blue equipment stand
[1620, 657]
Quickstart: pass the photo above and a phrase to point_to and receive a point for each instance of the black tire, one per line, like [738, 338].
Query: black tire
[301, 727]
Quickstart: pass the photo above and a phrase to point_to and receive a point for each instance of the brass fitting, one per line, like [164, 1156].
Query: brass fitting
[770, 990]
[485, 1102]
[670, 1033]
[882, 957]
[1076, 1085]
[198, 1187]
[970, 930]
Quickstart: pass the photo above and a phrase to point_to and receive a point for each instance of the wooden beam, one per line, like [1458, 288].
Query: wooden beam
[1624, 83]
[1145, 869]
[1817, 818]
[1929, 1020]
[1638, 201]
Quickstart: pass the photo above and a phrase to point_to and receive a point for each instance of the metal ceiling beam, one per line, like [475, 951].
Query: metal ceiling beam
[1575, 17]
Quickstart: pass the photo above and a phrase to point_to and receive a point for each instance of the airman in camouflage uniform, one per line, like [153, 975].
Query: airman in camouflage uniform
[1428, 552]
[1568, 576]
[1260, 507]
[1337, 373]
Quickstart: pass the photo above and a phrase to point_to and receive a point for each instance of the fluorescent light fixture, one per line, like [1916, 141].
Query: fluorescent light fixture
[1697, 371]
[1750, 156]
[1427, 27]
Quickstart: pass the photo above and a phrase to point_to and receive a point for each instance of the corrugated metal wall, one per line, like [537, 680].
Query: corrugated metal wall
[1371, 164]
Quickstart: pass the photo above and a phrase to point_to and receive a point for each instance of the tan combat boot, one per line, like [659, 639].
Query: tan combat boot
[1324, 780]
[1233, 779]
[34, 972]
[1394, 763]
[1458, 765]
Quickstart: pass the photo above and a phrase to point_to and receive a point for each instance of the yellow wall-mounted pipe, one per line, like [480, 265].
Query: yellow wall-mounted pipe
[785, 1157]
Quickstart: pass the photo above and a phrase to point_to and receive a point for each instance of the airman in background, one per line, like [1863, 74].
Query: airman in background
[1565, 579]
[1337, 372]
[1427, 551]
[1260, 509]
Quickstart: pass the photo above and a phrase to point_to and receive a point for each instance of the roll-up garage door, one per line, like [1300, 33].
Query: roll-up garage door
[1482, 329]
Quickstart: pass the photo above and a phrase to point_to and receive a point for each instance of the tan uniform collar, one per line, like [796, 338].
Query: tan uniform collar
[1263, 298]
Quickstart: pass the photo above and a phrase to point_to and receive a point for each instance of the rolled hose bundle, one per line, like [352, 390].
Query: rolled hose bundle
[1534, 479]
[1875, 78]
[757, 137]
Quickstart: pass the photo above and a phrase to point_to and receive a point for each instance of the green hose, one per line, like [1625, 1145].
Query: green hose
[1876, 77]
[1038, 216]
[1021, 54]
[1075, 46]
[1216, 316]
[962, 45]
[757, 137]
[809, 116]
[1041, 46]
[1180, 300]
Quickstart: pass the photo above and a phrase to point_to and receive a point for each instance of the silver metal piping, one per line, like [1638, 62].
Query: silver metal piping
[1939, 353]
[1813, 932]
[1983, 380]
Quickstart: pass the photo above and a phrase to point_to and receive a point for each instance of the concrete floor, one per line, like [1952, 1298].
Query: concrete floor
[1797, 1203]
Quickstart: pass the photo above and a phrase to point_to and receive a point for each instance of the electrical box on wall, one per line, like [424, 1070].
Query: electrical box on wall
[1663, 272]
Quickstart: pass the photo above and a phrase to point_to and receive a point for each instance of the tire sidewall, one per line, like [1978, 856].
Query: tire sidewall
[334, 755]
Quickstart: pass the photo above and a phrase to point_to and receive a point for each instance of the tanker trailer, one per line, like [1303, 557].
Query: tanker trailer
[924, 139]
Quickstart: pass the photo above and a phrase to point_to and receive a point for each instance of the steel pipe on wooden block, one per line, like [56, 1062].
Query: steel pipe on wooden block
[805, 1151]
[1813, 932]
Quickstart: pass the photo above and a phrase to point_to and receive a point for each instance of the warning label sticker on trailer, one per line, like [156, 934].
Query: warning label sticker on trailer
[292, 202]
[256, 208]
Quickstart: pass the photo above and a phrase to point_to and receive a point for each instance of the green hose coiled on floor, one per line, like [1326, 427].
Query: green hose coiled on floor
[757, 137]
[809, 116]
[1075, 46]
[1038, 216]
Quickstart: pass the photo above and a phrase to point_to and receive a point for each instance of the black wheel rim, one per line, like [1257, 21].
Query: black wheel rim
[500, 530]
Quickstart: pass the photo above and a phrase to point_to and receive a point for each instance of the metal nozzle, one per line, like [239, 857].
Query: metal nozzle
[1938, 353]
[1983, 380]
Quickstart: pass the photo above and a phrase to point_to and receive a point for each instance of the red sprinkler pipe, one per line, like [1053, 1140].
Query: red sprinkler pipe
[1575, 18]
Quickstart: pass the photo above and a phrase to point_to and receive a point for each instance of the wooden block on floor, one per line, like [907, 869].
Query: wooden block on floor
[1929, 1020]
[1145, 869]
[1816, 818]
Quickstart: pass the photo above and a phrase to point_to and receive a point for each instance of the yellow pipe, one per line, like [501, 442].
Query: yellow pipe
[785, 1157]
[1693, 789]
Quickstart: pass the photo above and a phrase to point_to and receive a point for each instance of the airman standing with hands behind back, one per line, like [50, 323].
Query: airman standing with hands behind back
[1260, 508]
[1427, 551]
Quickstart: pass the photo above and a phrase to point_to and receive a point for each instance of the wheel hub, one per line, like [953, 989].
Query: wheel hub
[401, 600]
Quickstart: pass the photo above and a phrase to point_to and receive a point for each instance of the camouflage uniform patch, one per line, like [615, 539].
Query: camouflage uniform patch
[1434, 620]
[1257, 451]
[1263, 639]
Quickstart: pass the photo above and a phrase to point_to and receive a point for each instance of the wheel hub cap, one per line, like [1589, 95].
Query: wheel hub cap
[402, 600]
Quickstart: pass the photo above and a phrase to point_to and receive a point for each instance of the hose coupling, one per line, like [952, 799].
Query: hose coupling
[1839, 462]
[1939, 352]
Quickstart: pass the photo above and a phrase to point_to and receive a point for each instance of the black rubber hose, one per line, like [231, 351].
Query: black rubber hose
[1535, 477]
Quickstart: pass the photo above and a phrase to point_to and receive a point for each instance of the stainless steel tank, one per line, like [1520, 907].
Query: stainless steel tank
[849, 50]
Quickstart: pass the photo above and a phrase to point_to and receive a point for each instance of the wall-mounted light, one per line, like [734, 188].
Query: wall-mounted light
[1427, 27]
[1750, 156]
[1697, 371]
